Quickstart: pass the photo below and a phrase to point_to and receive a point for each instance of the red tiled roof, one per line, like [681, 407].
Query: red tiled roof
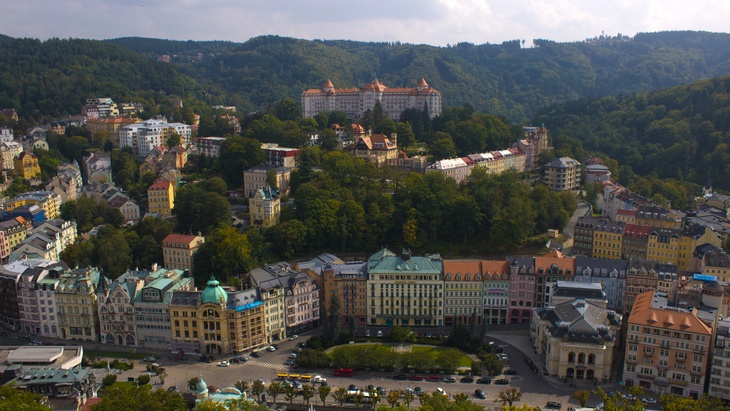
[179, 238]
[626, 212]
[161, 185]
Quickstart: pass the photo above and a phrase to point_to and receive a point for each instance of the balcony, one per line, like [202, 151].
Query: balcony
[680, 359]
[631, 361]
[696, 373]
[678, 382]
[645, 376]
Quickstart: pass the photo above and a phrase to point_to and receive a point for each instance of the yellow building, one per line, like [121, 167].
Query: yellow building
[663, 245]
[264, 207]
[691, 238]
[178, 250]
[12, 233]
[26, 166]
[77, 304]
[216, 321]
[48, 201]
[659, 217]
[161, 198]
[608, 239]
[404, 290]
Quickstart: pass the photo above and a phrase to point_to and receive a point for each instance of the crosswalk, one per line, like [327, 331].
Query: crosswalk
[268, 365]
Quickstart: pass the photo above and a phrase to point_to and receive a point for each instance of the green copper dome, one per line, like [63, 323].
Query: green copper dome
[201, 388]
[213, 293]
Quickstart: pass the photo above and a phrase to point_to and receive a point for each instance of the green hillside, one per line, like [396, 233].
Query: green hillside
[678, 133]
[502, 79]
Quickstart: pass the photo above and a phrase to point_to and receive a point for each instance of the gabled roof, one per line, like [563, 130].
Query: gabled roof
[651, 309]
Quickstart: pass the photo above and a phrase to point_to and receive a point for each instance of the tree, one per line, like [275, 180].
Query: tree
[290, 392]
[323, 392]
[109, 379]
[408, 398]
[448, 360]
[334, 318]
[328, 140]
[406, 138]
[113, 253]
[271, 179]
[442, 147]
[173, 141]
[307, 393]
[15, 399]
[399, 334]
[288, 238]
[393, 398]
[287, 109]
[242, 385]
[257, 388]
[239, 154]
[340, 395]
[199, 211]
[274, 390]
[509, 396]
[130, 397]
[225, 253]
[582, 396]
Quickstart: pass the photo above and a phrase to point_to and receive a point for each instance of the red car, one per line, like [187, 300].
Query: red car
[434, 378]
[415, 378]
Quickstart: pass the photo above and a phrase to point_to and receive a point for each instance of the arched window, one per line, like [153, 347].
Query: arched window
[177, 323]
[571, 357]
[591, 358]
[581, 358]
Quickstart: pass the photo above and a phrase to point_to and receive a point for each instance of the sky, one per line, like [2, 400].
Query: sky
[435, 22]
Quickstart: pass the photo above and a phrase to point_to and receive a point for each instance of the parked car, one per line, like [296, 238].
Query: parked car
[255, 354]
[367, 333]
[433, 378]
[224, 363]
[271, 348]
[501, 381]
[648, 400]
[450, 379]
[290, 362]
[151, 358]
[480, 394]
[293, 356]
[380, 333]
[400, 377]
[510, 372]
[301, 345]
[319, 378]
[529, 362]
[352, 387]
[484, 380]
[418, 391]
[467, 379]
[553, 405]
[172, 389]
[416, 378]
[293, 337]
[381, 391]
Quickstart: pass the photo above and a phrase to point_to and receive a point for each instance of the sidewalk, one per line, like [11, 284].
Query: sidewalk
[520, 340]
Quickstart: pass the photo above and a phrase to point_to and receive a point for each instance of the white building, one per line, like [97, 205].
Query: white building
[143, 137]
[152, 307]
[36, 302]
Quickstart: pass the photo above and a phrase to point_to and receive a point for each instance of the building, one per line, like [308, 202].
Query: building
[692, 237]
[522, 289]
[10, 150]
[178, 251]
[152, 306]
[64, 186]
[210, 146]
[48, 201]
[608, 237]
[98, 167]
[77, 305]
[415, 164]
[562, 174]
[496, 293]
[463, 288]
[611, 274]
[347, 281]
[597, 173]
[616, 197]
[455, 168]
[668, 348]
[145, 136]
[405, 290]
[643, 276]
[216, 321]
[12, 233]
[26, 306]
[577, 339]
[658, 217]
[719, 377]
[264, 207]
[635, 242]
[274, 300]
[534, 144]
[102, 107]
[256, 177]
[26, 166]
[714, 261]
[376, 148]
[116, 308]
[663, 245]
[354, 102]
[161, 198]
[550, 269]
[627, 216]
[6, 135]
[565, 291]
[107, 129]
[280, 156]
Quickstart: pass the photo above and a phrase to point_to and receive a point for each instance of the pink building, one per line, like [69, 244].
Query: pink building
[521, 289]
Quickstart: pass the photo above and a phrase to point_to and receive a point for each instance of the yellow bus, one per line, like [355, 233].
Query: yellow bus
[306, 377]
[282, 375]
[294, 376]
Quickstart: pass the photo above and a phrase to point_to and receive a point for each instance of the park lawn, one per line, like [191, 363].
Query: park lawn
[114, 354]
[464, 360]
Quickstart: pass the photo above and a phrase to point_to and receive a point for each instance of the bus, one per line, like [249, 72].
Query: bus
[343, 372]
[282, 375]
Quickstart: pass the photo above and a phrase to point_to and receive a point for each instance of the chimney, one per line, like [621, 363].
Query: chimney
[394, 139]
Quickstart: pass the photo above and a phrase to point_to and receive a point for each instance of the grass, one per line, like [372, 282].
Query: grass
[464, 360]
[114, 354]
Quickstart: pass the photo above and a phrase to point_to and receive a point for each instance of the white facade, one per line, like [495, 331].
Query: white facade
[145, 136]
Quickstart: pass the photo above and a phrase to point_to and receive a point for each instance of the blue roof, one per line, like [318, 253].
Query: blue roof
[704, 277]
[248, 306]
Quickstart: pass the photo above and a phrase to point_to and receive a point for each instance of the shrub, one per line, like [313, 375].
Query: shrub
[109, 380]
[143, 379]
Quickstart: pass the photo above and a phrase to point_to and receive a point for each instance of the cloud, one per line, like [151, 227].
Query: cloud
[436, 22]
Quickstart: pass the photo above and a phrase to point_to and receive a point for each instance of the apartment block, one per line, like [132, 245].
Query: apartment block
[562, 174]
[463, 288]
[178, 250]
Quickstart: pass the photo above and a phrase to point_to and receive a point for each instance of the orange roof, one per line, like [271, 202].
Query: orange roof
[179, 238]
[626, 212]
[642, 313]
[89, 403]
[557, 258]
[495, 266]
[462, 266]
[161, 185]
[328, 84]
[422, 82]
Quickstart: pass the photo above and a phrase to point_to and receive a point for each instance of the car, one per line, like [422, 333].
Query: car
[553, 405]
[293, 337]
[480, 394]
[648, 400]
[151, 358]
[467, 379]
[498, 349]
[290, 362]
[293, 356]
[297, 350]
[380, 333]
[352, 387]
[367, 333]
[243, 358]
[381, 391]
[301, 345]
[255, 354]
[510, 372]
[416, 378]
[629, 397]
[36, 342]
[319, 378]
[450, 379]
[224, 363]
[172, 389]
[433, 378]
[440, 391]
[529, 362]
[503, 357]
[501, 381]
[484, 380]
[400, 377]
[234, 360]
[271, 348]
[418, 391]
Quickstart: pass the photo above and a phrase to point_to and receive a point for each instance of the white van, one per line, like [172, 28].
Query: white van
[440, 391]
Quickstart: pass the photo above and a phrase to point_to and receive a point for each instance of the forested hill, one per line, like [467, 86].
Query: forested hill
[55, 77]
[503, 79]
[681, 132]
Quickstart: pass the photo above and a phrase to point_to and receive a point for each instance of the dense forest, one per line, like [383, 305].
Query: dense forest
[502, 79]
[680, 133]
